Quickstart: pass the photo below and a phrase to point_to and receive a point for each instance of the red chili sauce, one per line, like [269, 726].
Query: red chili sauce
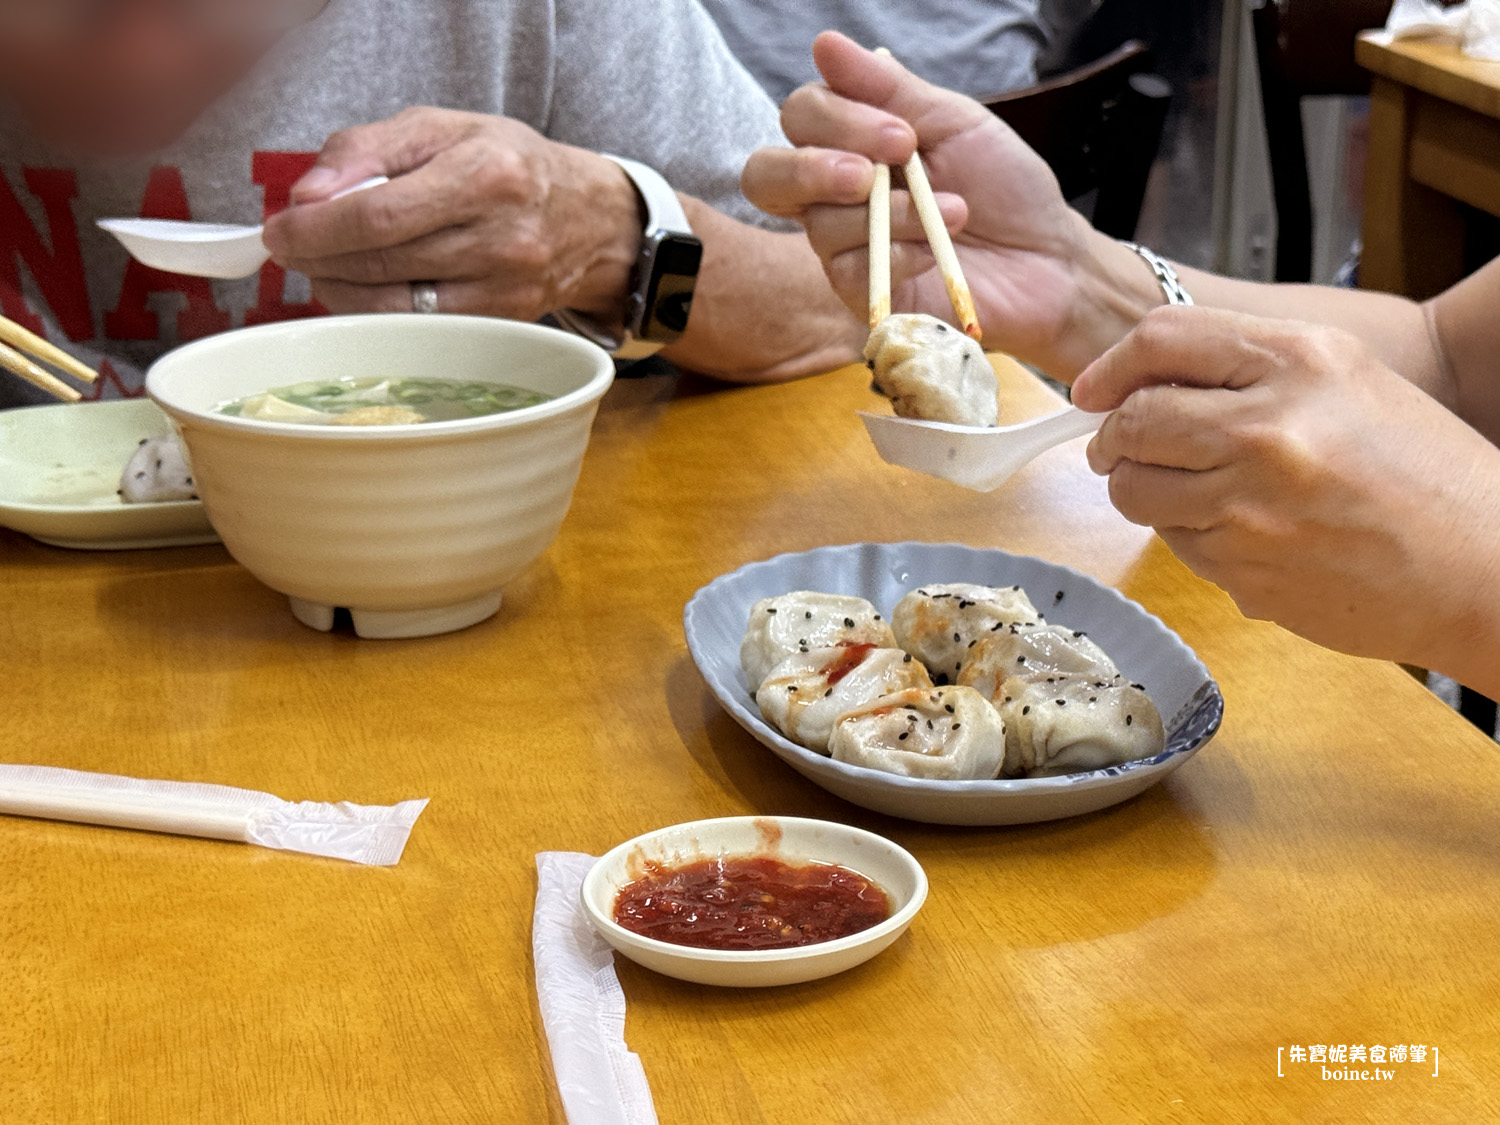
[851, 655]
[750, 903]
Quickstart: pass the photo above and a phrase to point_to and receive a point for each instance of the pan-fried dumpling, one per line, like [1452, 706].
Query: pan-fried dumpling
[1075, 724]
[931, 370]
[951, 734]
[806, 693]
[1033, 652]
[158, 471]
[938, 624]
[804, 620]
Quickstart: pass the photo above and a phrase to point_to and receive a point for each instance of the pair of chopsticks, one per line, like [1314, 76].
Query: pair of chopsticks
[20, 346]
[937, 237]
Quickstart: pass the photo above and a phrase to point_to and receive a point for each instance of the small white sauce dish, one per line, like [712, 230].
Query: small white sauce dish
[793, 840]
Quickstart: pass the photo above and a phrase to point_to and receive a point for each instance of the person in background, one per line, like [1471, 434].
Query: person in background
[499, 202]
[1326, 456]
[978, 47]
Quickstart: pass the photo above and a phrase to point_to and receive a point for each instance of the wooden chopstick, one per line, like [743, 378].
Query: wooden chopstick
[942, 246]
[25, 340]
[18, 364]
[880, 245]
[880, 238]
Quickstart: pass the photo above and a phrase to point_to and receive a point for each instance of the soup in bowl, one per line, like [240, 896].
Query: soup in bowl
[416, 521]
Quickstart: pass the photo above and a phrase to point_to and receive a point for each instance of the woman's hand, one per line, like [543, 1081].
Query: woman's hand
[1319, 488]
[505, 221]
[1048, 288]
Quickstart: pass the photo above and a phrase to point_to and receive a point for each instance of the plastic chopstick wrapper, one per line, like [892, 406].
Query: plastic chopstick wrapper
[582, 1004]
[371, 834]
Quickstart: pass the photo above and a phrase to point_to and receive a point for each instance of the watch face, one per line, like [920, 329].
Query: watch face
[669, 268]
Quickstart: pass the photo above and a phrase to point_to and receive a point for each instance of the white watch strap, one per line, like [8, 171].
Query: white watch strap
[663, 208]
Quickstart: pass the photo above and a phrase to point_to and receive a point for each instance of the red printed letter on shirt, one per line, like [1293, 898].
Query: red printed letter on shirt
[276, 172]
[131, 319]
[59, 274]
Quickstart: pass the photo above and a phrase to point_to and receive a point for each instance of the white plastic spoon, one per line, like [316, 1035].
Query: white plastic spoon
[202, 249]
[978, 457]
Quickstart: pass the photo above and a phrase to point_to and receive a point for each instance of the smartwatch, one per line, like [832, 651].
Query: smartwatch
[662, 282]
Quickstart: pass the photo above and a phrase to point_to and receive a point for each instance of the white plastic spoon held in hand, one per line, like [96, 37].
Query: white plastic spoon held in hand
[202, 249]
[978, 457]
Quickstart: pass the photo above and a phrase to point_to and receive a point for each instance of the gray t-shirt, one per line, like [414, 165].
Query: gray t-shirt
[977, 47]
[647, 79]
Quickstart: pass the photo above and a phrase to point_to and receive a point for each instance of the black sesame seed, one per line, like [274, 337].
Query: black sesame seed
[973, 643]
[190, 480]
[809, 615]
[995, 628]
[791, 687]
[929, 725]
[1093, 699]
[1139, 687]
[941, 327]
[1007, 699]
[924, 593]
[956, 638]
[906, 659]
[955, 726]
[771, 609]
[848, 623]
[1062, 702]
[1052, 679]
[877, 617]
[141, 475]
[1026, 710]
[948, 707]
[1057, 598]
[1020, 660]
[827, 693]
[902, 736]
[143, 441]
[1129, 719]
[935, 597]
[1077, 632]
[963, 604]
[1016, 587]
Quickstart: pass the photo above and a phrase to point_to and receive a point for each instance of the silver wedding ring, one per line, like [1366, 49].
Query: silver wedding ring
[424, 297]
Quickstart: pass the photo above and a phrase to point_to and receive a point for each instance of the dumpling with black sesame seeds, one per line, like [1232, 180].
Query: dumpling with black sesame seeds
[947, 734]
[158, 472]
[804, 620]
[931, 370]
[1033, 652]
[940, 623]
[807, 692]
[1073, 724]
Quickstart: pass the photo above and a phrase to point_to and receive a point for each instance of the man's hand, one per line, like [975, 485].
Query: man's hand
[505, 221]
[1319, 488]
[1029, 258]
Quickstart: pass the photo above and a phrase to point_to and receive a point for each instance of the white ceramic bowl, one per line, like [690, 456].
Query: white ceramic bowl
[1144, 648]
[792, 839]
[414, 529]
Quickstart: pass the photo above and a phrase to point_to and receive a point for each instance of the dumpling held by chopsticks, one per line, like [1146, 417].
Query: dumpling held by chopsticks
[932, 371]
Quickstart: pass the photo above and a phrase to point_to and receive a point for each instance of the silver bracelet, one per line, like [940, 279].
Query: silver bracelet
[1165, 274]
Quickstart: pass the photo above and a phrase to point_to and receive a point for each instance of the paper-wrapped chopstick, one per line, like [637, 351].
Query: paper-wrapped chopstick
[372, 834]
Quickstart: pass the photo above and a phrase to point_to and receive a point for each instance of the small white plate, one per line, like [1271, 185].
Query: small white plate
[60, 468]
[793, 840]
[1144, 648]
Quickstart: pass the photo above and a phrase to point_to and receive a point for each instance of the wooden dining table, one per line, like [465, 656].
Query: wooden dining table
[1434, 151]
[1324, 873]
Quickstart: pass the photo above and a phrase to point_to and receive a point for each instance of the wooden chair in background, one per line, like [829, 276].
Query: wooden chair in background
[1099, 128]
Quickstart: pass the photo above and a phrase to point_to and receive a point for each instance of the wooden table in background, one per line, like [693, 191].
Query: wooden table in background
[1434, 144]
[1327, 871]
